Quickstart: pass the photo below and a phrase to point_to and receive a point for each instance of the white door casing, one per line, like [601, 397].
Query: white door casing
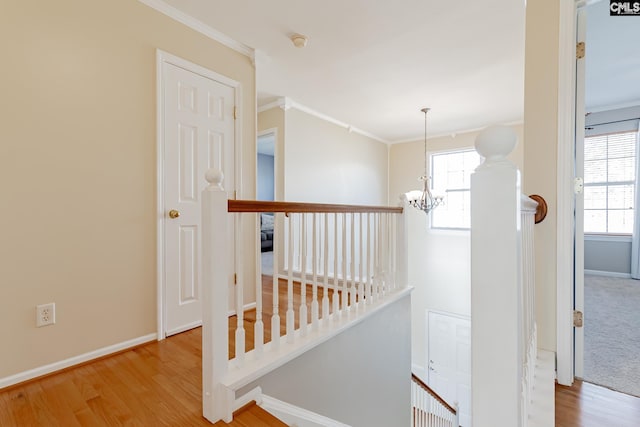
[449, 360]
[196, 132]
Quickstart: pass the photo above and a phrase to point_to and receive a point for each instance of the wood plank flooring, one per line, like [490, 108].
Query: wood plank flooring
[160, 384]
[588, 405]
[157, 384]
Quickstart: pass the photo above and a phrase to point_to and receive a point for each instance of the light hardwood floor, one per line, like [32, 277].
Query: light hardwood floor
[588, 405]
[159, 384]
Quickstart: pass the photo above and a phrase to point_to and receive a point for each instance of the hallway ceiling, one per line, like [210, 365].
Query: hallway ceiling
[374, 65]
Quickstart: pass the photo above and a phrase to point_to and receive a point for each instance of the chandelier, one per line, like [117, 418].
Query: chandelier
[427, 201]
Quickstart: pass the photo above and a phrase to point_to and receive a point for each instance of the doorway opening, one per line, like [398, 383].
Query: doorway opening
[265, 191]
[607, 347]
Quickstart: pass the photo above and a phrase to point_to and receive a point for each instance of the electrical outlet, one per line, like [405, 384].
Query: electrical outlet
[45, 314]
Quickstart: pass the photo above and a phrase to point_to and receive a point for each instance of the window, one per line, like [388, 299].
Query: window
[451, 173]
[609, 183]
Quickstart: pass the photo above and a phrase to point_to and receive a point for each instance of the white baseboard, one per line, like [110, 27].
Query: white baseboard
[296, 416]
[245, 307]
[76, 360]
[608, 274]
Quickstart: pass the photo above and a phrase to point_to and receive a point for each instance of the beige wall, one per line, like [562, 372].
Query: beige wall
[541, 134]
[439, 260]
[78, 169]
[325, 163]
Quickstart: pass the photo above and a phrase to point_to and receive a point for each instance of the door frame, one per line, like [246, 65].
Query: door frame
[276, 181]
[565, 243]
[161, 58]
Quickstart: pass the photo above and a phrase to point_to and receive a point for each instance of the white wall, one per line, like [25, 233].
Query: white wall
[439, 260]
[265, 190]
[361, 377]
[324, 163]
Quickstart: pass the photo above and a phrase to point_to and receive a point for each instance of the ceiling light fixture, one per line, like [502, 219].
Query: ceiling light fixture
[427, 201]
[299, 40]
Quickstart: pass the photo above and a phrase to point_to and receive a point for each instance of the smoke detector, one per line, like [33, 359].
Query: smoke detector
[299, 40]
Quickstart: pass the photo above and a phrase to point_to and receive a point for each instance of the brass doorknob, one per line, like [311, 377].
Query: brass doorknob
[173, 214]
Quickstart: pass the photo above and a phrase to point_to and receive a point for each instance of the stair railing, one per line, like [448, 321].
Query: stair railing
[428, 409]
[341, 262]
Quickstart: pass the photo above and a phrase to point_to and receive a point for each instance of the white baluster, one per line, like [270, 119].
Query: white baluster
[275, 316]
[240, 333]
[343, 254]
[369, 277]
[314, 257]
[361, 296]
[290, 312]
[336, 280]
[325, 259]
[354, 288]
[303, 275]
[258, 328]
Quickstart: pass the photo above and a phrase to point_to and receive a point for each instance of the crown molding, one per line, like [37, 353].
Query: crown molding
[199, 26]
[286, 103]
[454, 133]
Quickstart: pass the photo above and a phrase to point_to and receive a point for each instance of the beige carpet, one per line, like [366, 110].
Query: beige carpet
[612, 333]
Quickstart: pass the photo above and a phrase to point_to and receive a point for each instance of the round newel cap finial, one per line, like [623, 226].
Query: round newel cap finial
[496, 142]
[214, 177]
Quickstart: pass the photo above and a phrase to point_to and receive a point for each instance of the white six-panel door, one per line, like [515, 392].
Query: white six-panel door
[450, 360]
[198, 131]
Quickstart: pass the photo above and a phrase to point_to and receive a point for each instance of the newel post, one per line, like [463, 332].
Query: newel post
[495, 282]
[216, 402]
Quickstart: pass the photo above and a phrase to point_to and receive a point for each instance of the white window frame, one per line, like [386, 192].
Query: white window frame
[436, 188]
[608, 183]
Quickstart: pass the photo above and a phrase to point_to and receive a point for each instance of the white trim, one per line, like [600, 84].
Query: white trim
[296, 416]
[254, 395]
[253, 368]
[75, 360]
[286, 103]
[622, 105]
[162, 57]
[607, 238]
[454, 133]
[199, 26]
[246, 307]
[565, 196]
[160, 315]
[183, 328]
[607, 274]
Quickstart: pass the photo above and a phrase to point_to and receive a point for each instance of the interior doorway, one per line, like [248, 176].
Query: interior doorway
[608, 112]
[266, 190]
[196, 132]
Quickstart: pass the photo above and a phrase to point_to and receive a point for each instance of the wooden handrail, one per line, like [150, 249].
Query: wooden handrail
[433, 393]
[298, 207]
